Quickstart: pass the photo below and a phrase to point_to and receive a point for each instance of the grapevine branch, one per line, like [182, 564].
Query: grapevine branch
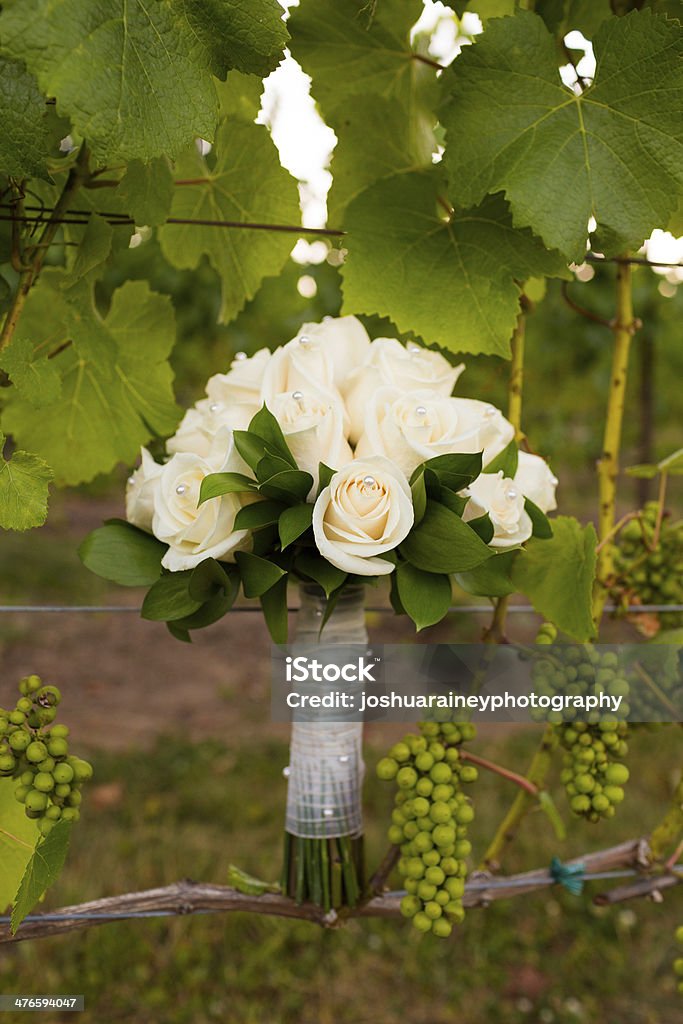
[188, 897]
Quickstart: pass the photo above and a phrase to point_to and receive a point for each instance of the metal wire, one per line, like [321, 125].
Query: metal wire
[477, 885]
[465, 609]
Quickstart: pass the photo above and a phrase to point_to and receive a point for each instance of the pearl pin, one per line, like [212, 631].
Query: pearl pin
[180, 489]
[240, 357]
[412, 347]
[304, 340]
[131, 481]
[511, 493]
[489, 412]
[214, 407]
[368, 481]
[287, 772]
[298, 396]
[420, 411]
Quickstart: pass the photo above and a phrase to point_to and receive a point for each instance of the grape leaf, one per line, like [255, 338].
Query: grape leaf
[133, 76]
[24, 139]
[248, 35]
[37, 379]
[18, 838]
[93, 250]
[562, 16]
[403, 253]
[557, 576]
[24, 483]
[246, 183]
[116, 381]
[147, 191]
[42, 871]
[615, 152]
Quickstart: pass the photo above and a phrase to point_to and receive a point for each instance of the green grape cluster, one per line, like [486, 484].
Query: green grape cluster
[649, 574]
[593, 773]
[429, 822]
[35, 752]
[678, 962]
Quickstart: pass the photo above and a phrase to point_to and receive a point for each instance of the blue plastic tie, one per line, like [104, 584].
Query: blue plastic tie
[569, 875]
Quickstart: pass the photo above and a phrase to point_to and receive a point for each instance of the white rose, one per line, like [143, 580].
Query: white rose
[536, 481]
[391, 364]
[503, 500]
[418, 425]
[313, 424]
[346, 340]
[140, 491]
[194, 533]
[301, 363]
[243, 381]
[366, 510]
[200, 425]
[496, 431]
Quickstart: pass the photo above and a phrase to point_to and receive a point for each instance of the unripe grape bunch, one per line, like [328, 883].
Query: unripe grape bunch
[594, 774]
[429, 822]
[649, 573]
[35, 752]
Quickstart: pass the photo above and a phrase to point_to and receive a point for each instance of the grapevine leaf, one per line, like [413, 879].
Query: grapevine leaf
[557, 576]
[561, 16]
[94, 249]
[425, 596]
[147, 191]
[37, 379]
[42, 871]
[239, 96]
[116, 381]
[248, 35]
[24, 140]
[123, 554]
[615, 152]
[18, 838]
[24, 483]
[491, 8]
[246, 183]
[134, 77]
[452, 281]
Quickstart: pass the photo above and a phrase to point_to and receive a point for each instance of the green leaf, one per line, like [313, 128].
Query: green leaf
[274, 608]
[325, 474]
[419, 494]
[398, 234]
[270, 465]
[116, 390]
[134, 77]
[320, 571]
[264, 425]
[492, 579]
[443, 543]
[455, 471]
[672, 463]
[93, 250]
[292, 486]
[643, 470]
[539, 520]
[425, 596]
[483, 527]
[147, 191]
[561, 16]
[261, 513]
[615, 152]
[35, 377]
[42, 871]
[215, 485]
[293, 522]
[24, 140]
[245, 184]
[258, 574]
[24, 483]
[211, 611]
[506, 461]
[18, 839]
[209, 579]
[557, 576]
[123, 554]
[169, 598]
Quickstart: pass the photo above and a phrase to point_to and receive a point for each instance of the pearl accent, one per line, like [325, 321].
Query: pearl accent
[240, 357]
[131, 480]
[297, 396]
[412, 347]
[304, 340]
[181, 489]
[286, 771]
[420, 411]
[368, 481]
[214, 407]
[489, 412]
[511, 494]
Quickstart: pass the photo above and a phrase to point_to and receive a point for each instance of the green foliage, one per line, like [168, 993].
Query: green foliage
[146, 190]
[425, 596]
[24, 129]
[24, 481]
[116, 392]
[18, 838]
[42, 871]
[557, 576]
[449, 277]
[35, 377]
[243, 182]
[560, 157]
[443, 543]
[123, 554]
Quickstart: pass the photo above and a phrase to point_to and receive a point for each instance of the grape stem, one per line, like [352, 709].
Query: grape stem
[506, 773]
[387, 865]
[623, 327]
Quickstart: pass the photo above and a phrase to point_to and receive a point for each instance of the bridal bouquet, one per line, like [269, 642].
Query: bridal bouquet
[332, 460]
